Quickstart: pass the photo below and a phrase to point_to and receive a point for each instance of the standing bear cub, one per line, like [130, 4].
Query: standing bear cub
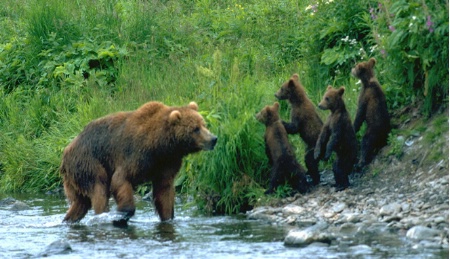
[285, 166]
[337, 135]
[304, 121]
[115, 153]
[372, 109]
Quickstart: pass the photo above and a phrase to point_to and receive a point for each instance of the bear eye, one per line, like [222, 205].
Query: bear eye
[327, 99]
[197, 130]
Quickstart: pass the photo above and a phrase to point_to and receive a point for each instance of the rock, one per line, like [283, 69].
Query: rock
[308, 236]
[19, 205]
[422, 233]
[350, 218]
[58, 247]
[390, 209]
[338, 208]
[264, 213]
[7, 201]
[292, 210]
[348, 229]
[361, 250]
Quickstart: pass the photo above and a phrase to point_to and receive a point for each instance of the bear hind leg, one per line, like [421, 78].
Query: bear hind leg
[312, 165]
[100, 198]
[123, 194]
[367, 150]
[78, 209]
[340, 175]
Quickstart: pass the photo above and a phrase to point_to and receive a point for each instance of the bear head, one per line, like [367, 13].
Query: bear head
[364, 70]
[332, 99]
[189, 129]
[289, 89]
[269, 114]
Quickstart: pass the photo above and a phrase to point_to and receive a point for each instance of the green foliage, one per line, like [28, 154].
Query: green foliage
[413, 40]
[64, 63]
[395, 143]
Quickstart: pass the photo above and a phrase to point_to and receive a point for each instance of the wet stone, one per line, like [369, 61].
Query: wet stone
[292, 209]
[304, 237]
[19, 206]
[361, 250]
[390, 209]
[58, 247]
[7, 201]
[339, 207]
[422, 233]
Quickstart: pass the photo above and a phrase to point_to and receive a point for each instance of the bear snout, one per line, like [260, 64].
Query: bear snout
[354, 72]
[209, 145]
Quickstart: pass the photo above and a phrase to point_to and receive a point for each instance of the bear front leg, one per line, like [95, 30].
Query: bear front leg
[290, 127]
[360, 116]
[164, 197]
[321, 142]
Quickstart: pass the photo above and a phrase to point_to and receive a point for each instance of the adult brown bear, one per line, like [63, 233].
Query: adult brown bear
[115, 153]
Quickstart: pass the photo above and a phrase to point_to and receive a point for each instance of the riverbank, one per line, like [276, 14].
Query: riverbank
[404, 194]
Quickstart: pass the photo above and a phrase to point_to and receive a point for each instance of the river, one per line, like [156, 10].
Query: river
[29, 224]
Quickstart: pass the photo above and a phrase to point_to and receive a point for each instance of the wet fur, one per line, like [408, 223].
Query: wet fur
[115, 153]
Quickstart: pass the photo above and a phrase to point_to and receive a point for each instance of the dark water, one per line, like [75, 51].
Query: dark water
[28, 232]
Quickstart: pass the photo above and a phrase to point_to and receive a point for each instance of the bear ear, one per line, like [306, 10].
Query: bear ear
[193, 106]
[293, 81]
[329, 87]
[276, 106]
[174, 116]
[372, 62]
[341, 90]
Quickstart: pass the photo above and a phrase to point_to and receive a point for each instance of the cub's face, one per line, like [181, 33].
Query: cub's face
[287, 88]
[364, 70]
[332, 98]
[268, 114]
[190, 130]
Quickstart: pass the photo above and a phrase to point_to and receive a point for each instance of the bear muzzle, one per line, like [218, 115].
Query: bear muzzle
[211, 143]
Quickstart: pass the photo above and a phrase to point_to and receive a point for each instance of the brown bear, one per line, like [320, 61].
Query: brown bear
[115, 153]
[372, 109]
[285, 166]
[304, 120]
[337, 135]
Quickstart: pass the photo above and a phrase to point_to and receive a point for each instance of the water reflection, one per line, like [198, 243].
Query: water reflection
[165, 231]
[28, 232]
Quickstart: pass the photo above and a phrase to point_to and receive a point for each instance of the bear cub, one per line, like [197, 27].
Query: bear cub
[304, 120]
[337, 135]
[115, 153]
[372, 108]
[280, 153]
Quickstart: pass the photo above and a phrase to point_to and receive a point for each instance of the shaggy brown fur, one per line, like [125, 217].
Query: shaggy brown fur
[337, 135]
[115, 153]
[372, 109]
[285, 166]
[304, 120]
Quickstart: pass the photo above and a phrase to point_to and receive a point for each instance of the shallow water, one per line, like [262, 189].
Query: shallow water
[27, 233]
